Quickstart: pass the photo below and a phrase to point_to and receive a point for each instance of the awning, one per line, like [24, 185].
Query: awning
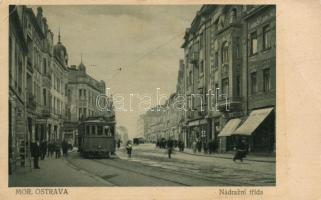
[253, 121]
[229, 127]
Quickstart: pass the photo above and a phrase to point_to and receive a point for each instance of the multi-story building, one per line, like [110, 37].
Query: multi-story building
[230, 72]
[47, 98]
[17, 92]
[82, 92]
[259, 76]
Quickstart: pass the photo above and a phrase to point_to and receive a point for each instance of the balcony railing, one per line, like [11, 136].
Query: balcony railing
[227, 104]
[194, 57]
[46, 111]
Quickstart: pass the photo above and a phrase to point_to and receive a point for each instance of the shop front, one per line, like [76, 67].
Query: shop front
[259, 128]
[197, 130]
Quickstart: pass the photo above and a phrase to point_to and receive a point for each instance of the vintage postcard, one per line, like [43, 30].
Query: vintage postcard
[155, 100]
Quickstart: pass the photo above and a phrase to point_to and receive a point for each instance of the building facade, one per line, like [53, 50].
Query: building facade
[227, 81]
[47, 97]
[230, 67]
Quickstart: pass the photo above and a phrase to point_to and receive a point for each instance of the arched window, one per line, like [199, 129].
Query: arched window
[225, 53]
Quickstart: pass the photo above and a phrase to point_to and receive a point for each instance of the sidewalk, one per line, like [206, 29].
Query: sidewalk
[228, 155]
[53, 173]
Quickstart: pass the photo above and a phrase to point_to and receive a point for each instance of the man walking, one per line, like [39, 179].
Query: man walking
[170, 145]
[35, 152]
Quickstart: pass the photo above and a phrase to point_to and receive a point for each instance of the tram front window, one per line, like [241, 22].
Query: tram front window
[100, 130]
[87, 130]
[93, 130]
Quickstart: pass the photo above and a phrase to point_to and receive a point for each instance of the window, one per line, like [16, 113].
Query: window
[84, 112]
[20, 77]
[80, 93]
[80, 113]
[44, 66]
[44, 93]
[225, 69]
[201, 40]
[10, 57]
[266, 80]
[238, 86]
[266, 37]
[85, 93]
[225, 53]
[225, 86]
[190, 78]
[202, 67]
[253, 83]
[100, 130]
[216, 60]
[253, 43]
[238, 49]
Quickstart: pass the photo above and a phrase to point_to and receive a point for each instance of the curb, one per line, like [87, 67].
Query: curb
[222, 157]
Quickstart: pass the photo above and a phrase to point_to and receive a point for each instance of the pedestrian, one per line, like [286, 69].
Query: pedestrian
[242, 150]
[194, 146]
[57, 149]
[35, 152]
[43, 149]
[64, 148]
[170, 146]
[129, 148]
[199, 146]
[118, 143]
[51, 148]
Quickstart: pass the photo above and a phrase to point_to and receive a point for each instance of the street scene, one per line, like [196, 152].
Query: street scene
[142, 95]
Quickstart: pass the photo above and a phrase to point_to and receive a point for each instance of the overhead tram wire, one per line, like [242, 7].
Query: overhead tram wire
[147, 53]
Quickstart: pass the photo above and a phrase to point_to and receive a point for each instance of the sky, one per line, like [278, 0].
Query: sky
[144, 40]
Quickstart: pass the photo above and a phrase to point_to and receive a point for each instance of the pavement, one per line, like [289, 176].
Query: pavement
[54, 173]
[228, 155]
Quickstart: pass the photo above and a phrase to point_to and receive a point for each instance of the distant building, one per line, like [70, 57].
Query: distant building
[122, 131]
[140, 126]
[81, 94]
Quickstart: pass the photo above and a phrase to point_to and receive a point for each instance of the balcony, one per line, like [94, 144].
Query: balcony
[229, 104]
[194, 57]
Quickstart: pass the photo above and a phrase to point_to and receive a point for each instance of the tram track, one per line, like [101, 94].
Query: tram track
[179, 177]
[219, 182]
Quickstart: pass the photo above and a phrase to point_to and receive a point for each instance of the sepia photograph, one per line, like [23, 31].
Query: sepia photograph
[142, 95]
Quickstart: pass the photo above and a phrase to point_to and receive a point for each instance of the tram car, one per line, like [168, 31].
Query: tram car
[96, 137]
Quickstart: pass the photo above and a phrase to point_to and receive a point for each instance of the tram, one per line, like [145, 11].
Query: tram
[96, 137]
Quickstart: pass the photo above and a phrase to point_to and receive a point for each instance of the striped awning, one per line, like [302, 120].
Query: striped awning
[230, 127]
[253, 121]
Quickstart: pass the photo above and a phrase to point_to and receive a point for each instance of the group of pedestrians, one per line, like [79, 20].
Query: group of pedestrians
[52, 148]
[207, 147]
